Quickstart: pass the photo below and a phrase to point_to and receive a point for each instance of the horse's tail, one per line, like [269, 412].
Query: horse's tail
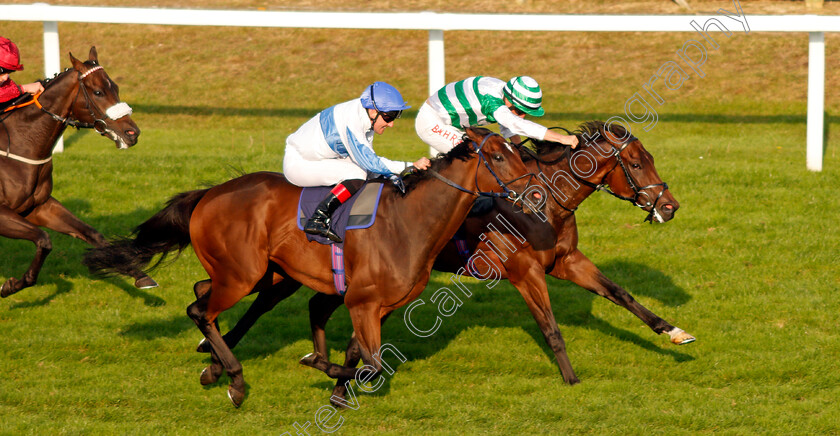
[166, 231]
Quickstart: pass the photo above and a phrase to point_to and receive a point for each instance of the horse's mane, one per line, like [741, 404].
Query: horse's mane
[51, 80]
[588, 129]
[461, 152]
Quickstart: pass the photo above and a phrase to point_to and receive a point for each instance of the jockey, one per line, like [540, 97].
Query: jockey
[479, 101]
[9, 63]
[335, 147]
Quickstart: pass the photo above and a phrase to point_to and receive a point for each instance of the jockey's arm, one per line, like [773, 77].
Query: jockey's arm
[32, 88]
[554, 136]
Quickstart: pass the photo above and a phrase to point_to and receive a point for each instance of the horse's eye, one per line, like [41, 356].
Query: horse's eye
[498, 157]
[98, 93]
[635, 166]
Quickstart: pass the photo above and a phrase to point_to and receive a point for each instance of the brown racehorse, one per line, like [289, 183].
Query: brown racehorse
[245, 235]
[544, 243]
[609, 157]
[82, 96]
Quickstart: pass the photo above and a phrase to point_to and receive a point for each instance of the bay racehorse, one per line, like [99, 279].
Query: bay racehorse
[84, 97]
[245, 235]
[536, 244]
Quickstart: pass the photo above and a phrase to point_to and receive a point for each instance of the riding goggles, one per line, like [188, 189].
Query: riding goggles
[390, 116]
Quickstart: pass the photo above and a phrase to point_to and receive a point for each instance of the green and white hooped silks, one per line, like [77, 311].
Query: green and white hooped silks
[525, 94]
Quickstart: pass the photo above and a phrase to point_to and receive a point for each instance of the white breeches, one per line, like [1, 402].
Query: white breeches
[436, 131]
[302, 170]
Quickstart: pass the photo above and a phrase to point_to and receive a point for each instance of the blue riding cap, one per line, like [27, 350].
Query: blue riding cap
[383, 97]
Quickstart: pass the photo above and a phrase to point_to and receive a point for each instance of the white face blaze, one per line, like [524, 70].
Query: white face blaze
[118, 110]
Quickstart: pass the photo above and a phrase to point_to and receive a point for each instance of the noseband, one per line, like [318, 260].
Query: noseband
[114, 112]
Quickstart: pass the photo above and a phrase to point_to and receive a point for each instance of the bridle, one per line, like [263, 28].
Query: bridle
[508, 193]
[114, 112]
[638, 191]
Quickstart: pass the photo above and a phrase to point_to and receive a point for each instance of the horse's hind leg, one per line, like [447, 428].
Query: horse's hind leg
[15, 227]
[580, 270]
[205, 318]
[265, 301]
[53, 215]
[212, 372]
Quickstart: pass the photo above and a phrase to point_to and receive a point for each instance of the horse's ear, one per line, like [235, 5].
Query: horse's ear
[472, 134]
[77, 64]
[92, 55]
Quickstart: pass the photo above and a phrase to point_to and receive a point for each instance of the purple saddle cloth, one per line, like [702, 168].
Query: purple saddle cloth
[359, 212]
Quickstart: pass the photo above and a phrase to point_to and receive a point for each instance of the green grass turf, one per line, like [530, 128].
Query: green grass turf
[748, 266]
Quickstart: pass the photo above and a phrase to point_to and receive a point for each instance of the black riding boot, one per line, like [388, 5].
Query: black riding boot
[319, 223]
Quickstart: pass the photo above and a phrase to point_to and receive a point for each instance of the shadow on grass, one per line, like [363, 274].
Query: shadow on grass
[501, 307]
[65, 260]
[62, 287]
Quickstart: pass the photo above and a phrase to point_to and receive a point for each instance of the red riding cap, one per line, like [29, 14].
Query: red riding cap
[9, 55]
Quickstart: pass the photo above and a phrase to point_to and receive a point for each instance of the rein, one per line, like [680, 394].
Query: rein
[638, 191]
[115, 112]
[508, 194]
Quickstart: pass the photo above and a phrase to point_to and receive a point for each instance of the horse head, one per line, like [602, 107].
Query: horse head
[614, 157]
[500, 166]
[98, 104]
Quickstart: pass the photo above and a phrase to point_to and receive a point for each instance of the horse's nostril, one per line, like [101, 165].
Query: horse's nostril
[668, 206]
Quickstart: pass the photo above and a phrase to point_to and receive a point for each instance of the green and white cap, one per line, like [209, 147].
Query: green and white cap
[525, 94]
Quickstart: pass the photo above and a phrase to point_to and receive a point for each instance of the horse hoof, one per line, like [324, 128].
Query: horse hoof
[210, 376]
[310, 359]
[203, 346]
[680, 337]
[236, 396]
[145, 282]
[8, 288]
[338, 404]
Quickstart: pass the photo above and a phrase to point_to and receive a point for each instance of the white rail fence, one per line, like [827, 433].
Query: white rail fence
[437, 23]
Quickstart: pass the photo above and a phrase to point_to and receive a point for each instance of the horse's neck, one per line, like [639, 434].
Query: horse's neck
[57, 98]
[59, 95]
[565, 188]
[437, 210]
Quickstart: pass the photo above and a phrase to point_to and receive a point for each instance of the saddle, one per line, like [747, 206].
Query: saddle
[359, 212]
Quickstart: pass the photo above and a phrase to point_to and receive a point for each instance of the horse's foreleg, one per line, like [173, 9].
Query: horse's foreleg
[351, 359]
[321, 308]
[530, 282]
[14, 226]
[577, 268]
[53, 215]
